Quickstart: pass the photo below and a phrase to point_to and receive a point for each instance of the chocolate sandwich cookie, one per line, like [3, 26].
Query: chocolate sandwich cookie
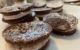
[19, 18]
[41, 12]
[10, 10]
[17, 13]
[71, 1]
[75, 2]
[39, 3]
[24, 7]
[31, 35]
[56, 5]
[62, 24]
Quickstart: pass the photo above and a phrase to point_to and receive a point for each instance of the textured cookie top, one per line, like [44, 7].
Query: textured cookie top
[54, 4]
[9, 9]
[16, 8]
[61, 22]
[26, 32]
[23, 6]
[39, 3]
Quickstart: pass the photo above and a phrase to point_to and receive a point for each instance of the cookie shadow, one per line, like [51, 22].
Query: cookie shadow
[74, 36]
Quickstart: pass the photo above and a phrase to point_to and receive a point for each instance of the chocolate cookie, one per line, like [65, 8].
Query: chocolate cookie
[75, 2]
[10, 10]
[41, 12]
[28, 34]
[63, 24]
[24, 7]
[39, 3]
[71, 1]
[56, 5]
[19, 18]
[17, 13]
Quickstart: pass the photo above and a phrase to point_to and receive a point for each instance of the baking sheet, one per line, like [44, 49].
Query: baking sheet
[56, 42]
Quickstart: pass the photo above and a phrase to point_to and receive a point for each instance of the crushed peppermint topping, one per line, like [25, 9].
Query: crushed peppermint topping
[26, 32]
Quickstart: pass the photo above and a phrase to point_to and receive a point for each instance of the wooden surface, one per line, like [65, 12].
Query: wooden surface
[56, 42]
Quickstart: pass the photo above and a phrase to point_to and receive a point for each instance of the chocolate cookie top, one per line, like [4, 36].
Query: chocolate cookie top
[23, 6]
[63, 22]
[9, 10]
[26, 32]
[39, 3]
[16, 8]
[54, 4]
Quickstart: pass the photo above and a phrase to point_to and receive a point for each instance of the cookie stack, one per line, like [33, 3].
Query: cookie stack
[43, 7]
[56, 5]
[40, 9]
[16, 14]
[25, 30]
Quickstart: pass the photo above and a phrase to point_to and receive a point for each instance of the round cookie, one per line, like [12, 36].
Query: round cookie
[28, 34]
[70, 1]
[39, 3]
[10, 10]
[56, 5]
[17, 13]
[24, 7]
[41, 12]
[62, 24]
[75, 2]
[19, 18]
